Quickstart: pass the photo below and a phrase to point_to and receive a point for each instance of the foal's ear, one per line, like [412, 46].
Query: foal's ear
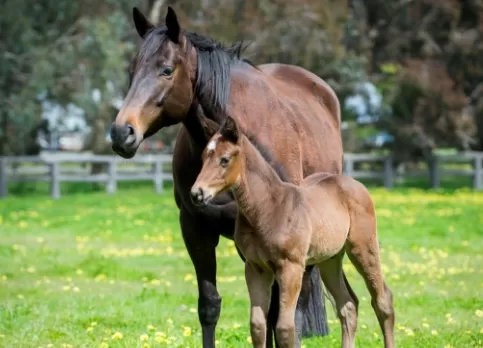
[173, 25]
[210, 127]
[142, 24]
[229, 129]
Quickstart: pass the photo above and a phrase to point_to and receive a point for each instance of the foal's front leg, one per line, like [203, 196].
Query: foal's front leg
[259, 283]
[289, 277]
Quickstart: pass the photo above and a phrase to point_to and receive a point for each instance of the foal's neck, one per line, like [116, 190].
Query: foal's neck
[259, 190]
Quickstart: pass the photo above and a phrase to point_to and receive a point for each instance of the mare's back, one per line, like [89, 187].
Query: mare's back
[291, 112]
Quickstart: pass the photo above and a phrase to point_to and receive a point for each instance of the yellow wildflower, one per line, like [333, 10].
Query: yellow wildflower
[409, 332]
[144, 337]
[117, 335]
[187, 331]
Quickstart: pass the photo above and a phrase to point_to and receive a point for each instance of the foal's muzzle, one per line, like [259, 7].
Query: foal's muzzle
[200, 196]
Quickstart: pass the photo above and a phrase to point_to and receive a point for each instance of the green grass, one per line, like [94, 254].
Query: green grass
[90, 267]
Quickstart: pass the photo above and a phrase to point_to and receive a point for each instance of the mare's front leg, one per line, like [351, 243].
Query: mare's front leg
[201, 242]
[289, 278]
[259, 283]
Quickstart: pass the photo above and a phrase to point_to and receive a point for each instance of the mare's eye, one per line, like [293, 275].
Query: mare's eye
[166, 71]
[224, 161]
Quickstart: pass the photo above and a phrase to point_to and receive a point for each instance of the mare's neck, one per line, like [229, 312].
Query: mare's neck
[259, 190]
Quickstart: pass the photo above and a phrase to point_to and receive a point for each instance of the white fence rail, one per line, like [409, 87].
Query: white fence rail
[55, 169]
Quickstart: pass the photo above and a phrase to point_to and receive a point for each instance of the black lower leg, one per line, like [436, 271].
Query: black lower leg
[201, 242]
[209, 308]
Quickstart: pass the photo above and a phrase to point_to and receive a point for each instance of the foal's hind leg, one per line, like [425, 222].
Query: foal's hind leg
[346, 304]
[363, 251]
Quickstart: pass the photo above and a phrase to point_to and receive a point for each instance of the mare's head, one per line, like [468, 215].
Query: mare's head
[221, 161]
[171, 69]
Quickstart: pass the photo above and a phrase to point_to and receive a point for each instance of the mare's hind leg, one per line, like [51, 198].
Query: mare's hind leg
[363, 251]
[346, 305]
[201, 242]
[259, 283]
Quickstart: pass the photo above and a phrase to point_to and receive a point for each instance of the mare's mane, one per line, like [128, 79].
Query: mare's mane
[214, 64]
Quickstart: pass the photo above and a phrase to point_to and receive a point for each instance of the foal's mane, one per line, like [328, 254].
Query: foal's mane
[214, 64]
[266, 154]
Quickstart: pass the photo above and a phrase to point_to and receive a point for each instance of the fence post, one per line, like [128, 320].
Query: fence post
[54, 181]
[434, 171]
[349, 165]
[478, 172]
[3, 177]
[111, 185]
[158, 176]
[388, 174]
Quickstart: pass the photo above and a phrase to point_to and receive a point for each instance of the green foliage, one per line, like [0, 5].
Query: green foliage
[61, 51]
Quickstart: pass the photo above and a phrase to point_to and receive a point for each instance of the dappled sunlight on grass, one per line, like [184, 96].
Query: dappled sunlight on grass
[112, 271]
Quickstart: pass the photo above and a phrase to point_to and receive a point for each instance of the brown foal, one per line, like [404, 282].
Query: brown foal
[282, 227]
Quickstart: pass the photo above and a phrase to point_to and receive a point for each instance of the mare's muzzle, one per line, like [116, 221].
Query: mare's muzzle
[124, 141]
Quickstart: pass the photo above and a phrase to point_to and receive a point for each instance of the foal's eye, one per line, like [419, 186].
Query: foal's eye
[224, 161]
[166, 71]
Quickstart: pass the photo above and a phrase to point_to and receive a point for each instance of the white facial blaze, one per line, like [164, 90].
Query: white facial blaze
[211, 145]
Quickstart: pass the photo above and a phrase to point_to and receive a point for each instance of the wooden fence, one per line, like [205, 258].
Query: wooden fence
[55, 169]
[436, 168]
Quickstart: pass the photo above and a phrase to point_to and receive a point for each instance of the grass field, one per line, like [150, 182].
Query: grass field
[93, 270]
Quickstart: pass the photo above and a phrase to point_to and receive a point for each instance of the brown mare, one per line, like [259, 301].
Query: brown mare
[282, 227]
[297, 117]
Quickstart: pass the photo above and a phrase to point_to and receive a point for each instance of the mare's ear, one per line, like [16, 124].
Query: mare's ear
[229, 129]
[142, 24]
[172, 24]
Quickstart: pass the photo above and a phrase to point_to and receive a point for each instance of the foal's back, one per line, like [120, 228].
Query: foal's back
[334, 204]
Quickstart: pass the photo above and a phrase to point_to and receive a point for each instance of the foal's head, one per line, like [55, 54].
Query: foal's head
[221, 161]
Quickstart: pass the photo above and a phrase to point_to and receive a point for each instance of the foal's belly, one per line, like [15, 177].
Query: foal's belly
[328, 233]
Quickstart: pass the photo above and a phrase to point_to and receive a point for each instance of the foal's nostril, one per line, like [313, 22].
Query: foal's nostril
[196, 195]
[130, 135]
[130, 129]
